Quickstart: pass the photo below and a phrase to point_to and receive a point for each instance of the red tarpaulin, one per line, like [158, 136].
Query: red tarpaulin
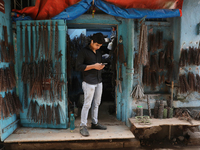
[148, 4]
[46, 9]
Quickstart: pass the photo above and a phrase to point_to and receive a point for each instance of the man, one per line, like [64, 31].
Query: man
[89, 62]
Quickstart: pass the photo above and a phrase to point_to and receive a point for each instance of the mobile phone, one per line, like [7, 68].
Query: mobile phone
[104, 63]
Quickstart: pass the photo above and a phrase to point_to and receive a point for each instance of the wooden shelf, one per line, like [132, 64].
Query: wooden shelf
[162, 122]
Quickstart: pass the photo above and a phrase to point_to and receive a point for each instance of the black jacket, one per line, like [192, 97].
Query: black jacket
[87, 57]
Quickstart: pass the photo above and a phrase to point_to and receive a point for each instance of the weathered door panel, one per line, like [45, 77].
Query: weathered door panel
[8, 124]
[61, 47]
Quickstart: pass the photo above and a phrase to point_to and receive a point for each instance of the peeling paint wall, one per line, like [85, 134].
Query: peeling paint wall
[185, 34]
[189, 21]
[189, 37]
[161, 92]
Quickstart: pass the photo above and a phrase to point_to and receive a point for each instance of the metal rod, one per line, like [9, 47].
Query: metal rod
[170, 128]
[172, 94]
[21, 4]
[148, 106]
[14, 4]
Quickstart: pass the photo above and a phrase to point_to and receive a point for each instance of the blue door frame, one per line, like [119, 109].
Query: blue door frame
[125, 28]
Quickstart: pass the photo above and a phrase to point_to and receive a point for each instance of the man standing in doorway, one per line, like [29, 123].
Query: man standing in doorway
[89, 62]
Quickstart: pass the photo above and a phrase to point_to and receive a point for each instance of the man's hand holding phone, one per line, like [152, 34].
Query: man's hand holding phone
[99, 66]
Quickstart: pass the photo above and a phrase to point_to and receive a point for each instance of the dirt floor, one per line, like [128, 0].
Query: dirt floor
[105, 117]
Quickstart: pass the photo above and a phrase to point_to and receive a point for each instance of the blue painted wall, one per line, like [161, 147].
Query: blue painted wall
[6, 21]
[189, 21]
[189, 37]
[162, 92]
[183, 31]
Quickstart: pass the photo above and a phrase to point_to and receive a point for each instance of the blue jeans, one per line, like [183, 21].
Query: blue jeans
[92, 96]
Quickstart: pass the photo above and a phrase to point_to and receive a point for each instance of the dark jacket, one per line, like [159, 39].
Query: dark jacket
[87, 57]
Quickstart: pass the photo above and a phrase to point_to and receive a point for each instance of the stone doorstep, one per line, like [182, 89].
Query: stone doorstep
[103, 144]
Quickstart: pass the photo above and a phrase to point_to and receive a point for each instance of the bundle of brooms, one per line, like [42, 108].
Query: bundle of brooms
[138, 92]
[192, 81]
[183, 84]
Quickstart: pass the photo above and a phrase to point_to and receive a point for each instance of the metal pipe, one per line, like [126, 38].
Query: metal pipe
[21, 4]
[14, 4]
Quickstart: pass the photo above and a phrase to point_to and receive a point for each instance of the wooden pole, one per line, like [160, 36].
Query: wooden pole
[148, 106]
[172, 89]
[170, 128]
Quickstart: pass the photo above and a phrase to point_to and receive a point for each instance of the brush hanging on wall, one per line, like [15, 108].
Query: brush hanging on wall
[154, 81]
[190, 56]
[170, 50]
[143, 46]
[170, 70]
[136, 65]
[197, 83]
[146, 76]
[161, 60]
[159, 37]
[154, 63]
[163, 78]
[5, 34]
[153, 43]
[45, 113]
[150, 37]
[183, 84]
[183, 58]
[159, 80]
[10, 105]
[198, 57]
[195, 53]
[192, 81]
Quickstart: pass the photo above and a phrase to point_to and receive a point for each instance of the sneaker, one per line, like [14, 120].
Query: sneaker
[98, 126]
[84, 131]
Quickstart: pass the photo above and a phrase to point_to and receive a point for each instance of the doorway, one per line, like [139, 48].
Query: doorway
[78, 36]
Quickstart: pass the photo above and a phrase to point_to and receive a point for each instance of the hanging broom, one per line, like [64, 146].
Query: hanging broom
[138, 92]
[192, 81]
[183, 58]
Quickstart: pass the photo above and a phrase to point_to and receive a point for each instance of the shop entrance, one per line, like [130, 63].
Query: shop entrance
[78, 38]
[107, 116]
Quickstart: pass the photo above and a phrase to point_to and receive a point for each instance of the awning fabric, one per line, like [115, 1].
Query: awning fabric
[148, 4]
[54, 9]
[136, 13]
[46, 9]
[74, 11]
